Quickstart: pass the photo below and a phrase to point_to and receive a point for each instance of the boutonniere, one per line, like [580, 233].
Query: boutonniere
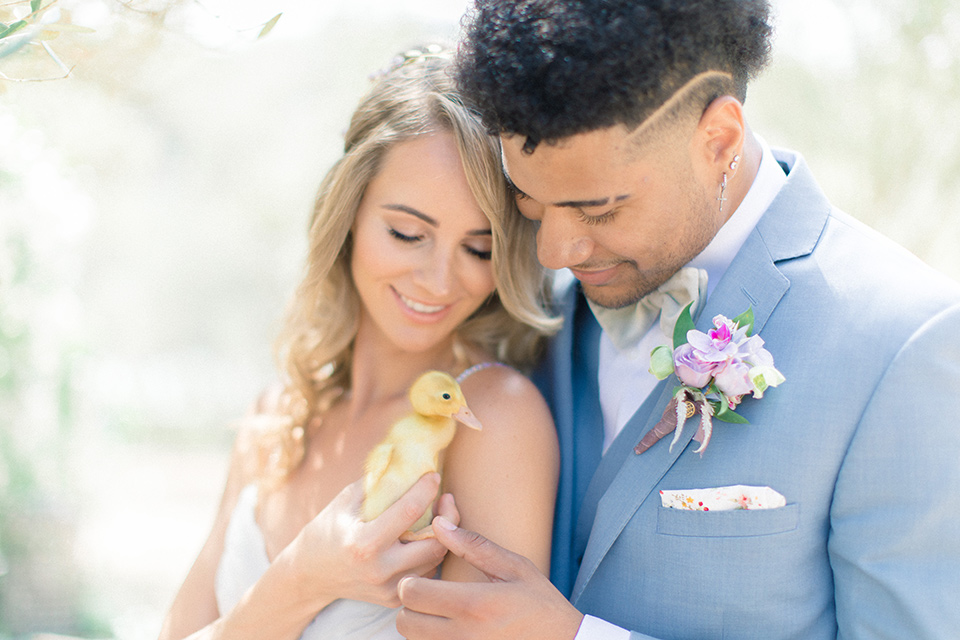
[715, 369]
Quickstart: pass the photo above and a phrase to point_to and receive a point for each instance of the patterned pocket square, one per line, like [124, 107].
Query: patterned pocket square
[722, 498]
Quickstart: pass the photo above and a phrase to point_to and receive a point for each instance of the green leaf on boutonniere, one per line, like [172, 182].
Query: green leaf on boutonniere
[684, 324]
[721, 411]
[745, 319]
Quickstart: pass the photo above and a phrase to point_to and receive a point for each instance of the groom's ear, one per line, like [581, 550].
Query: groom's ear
[719, 136]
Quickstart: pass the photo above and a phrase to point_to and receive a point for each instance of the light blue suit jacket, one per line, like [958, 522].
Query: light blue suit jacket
[863, 440]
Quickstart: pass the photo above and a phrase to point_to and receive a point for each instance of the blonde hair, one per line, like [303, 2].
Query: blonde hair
[415, 97]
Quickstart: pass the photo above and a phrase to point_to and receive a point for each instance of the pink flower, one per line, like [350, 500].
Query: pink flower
[721, 335]
[733, 379]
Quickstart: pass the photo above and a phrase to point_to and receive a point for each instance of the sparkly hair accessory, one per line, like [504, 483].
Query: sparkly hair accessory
[412, 56]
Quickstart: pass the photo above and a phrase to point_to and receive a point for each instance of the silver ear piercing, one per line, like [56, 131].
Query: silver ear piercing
[723, 188]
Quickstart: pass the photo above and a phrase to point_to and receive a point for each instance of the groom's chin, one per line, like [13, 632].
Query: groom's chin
[609, 298]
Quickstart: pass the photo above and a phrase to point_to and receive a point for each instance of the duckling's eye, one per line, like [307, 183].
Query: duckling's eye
[446, 396]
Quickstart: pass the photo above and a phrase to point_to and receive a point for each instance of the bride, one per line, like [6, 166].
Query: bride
[417, 260]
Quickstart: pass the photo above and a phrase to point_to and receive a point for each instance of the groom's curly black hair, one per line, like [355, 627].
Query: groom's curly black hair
[548, 69]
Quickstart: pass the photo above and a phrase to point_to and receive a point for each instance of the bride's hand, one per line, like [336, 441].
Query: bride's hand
[337, 555]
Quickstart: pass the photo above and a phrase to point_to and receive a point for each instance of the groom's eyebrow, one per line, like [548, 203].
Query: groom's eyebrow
[581, 204]
[570, 204]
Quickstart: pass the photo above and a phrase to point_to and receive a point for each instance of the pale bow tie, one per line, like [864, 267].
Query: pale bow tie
[627, 325]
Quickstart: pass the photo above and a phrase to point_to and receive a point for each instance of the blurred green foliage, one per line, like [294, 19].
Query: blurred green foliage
[875, 120]
[33, 30]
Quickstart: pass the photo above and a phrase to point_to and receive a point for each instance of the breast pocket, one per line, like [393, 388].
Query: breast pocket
[728, 524]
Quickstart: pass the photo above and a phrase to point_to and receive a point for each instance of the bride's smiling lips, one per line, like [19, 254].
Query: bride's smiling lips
[420, 310]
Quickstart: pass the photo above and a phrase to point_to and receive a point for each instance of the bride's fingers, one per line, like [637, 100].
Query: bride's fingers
[351, 495]
[424, 571]
[401, 515]
[421, 557]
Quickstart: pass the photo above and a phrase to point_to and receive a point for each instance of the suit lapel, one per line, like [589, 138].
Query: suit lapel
[635, 478]
[753, 282]
[789, 229]
[611, 464]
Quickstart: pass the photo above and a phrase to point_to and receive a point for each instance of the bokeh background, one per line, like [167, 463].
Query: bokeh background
[153, 205]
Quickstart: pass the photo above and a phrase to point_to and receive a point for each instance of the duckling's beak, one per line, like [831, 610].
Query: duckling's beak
[465, 416]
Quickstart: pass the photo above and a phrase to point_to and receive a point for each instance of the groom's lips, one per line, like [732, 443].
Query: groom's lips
[595, 277]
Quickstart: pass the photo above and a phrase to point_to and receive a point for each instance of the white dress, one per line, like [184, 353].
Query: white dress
[244, 560]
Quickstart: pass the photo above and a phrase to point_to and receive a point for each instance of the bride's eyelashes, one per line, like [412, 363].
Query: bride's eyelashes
[408, 239]
[483, 255]
[402, 237]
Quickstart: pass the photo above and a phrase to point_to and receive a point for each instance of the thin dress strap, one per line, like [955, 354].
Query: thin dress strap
[466, 373]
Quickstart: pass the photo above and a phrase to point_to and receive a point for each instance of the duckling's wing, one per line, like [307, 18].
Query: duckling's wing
[376, 465]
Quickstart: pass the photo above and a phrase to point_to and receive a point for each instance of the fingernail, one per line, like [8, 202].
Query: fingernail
[445, 524]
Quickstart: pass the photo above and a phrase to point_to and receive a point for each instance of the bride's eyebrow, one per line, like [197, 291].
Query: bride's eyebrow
[413, 212]
[429, 220]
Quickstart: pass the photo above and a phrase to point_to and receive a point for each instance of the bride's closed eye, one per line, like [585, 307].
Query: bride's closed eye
[482, 255]
[402, 237]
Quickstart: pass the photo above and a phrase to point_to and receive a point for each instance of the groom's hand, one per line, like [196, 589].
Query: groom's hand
[518, 603]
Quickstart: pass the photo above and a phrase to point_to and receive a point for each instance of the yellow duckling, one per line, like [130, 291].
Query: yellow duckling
[412, 446]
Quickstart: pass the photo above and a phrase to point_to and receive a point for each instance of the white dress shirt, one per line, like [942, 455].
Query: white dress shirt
[624, 377]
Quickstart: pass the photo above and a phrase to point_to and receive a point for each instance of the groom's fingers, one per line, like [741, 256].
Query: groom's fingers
[498, 564]
[518, 602]
[529, 608]
[443, 599]
[420, 626]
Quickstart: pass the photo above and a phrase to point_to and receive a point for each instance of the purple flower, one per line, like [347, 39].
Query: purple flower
[691, 367]
[720, 344]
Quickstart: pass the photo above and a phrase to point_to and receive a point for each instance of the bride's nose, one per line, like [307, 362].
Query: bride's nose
[435, 275]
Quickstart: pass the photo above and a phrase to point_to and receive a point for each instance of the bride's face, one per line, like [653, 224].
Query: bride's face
[421, 245]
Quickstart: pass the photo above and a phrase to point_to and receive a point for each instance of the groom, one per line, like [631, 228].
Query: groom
[624, 136]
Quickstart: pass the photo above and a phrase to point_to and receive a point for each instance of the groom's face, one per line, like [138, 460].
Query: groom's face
[622, 221]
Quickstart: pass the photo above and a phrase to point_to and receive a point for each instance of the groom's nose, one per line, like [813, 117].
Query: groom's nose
[560, 240]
